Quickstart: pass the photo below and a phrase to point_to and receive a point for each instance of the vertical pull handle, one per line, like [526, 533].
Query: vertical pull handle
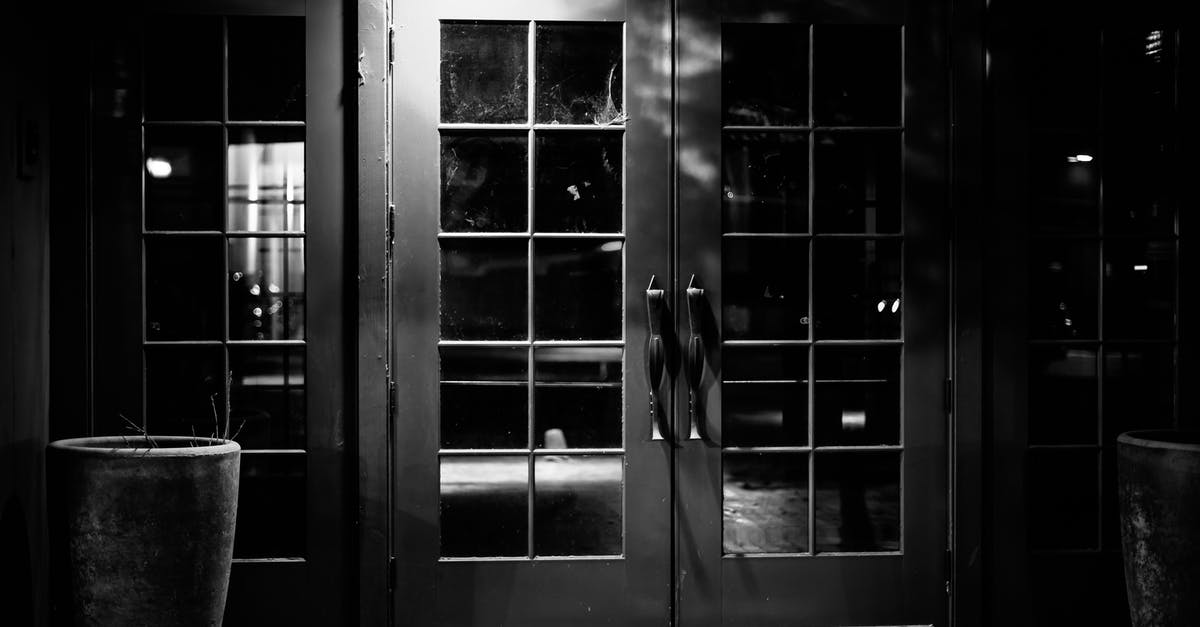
[656, 360]
[694, 364]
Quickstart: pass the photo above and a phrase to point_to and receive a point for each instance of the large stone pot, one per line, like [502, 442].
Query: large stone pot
[1158, 477]
[142, 536]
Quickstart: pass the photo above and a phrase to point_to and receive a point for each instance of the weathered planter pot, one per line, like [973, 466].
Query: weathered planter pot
[142, 536]
[1159, 497]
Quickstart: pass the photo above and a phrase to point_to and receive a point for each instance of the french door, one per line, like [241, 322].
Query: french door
[669, 314]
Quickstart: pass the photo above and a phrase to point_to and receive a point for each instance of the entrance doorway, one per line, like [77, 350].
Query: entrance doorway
[669, 312]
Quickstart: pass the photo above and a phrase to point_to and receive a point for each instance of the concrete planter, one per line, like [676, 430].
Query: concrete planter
[1158, 476]
[142, 536]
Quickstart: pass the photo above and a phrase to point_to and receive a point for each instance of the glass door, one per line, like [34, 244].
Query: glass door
[811, 486]
[531, 216]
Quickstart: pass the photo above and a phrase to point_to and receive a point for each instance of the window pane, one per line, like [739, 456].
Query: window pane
[1062, 395]
[580, 73]
[183, 68]
[578, 504]
[267, 392]
[766, 289]
[272, 511]
[485, 183]
[1065, 85]
[466, 363]
[858, 501]
[1064, 498]
[578, 398]
[183, 178]
[764, 396]
[266, 68]
[484, 415]
[266, 288]
[185, 390]
[578, 289]
[1139, 289]
[477, 489]
[765, 72]
[183, 289]
[1139, 388]
[857, 179]
[579, 182]
[485, 72]
[765, 183]
[483, 289]
[266, 179]
[1063, 291]
[1064, 182]
[857, 291]
[858, 78]
[765, 506]
[857, 395]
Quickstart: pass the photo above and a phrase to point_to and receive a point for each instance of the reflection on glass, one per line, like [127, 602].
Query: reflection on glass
[484, 506]
[577, 289]
[183, 289]
[1139, 289]
[579, 182]
[578, 504]
[858, 501]
[272, 507]
[472, 363]
[857, 396]
[1065, 182]
[266, 288]
[766, 289]
[183, 384]
[580, 73]
[578, 364]
[1139, 388]
[483, 289]
[484, 182]
[857, 293]
[183, 178]
[266, 179]
[1063, 505]
[183, 68]
[1063, 290]
[266, 68]
[857, 179]
[1062, 395]
[480, 415]
[267, 396]
[577, 416]
[765, 503]
[765, 183]
[765, 73]
[764, 396]
[484, 72]
[1065, 78]
[857, 75]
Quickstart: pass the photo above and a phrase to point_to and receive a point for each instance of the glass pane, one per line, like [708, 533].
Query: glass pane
[485, 72]
[577, 285]
[765, 507]
[765, 396]
[468, 363]
[765, 73]
[1139, 388]
[484, 506]
[857, 395]
[183, 178]
[185, 390]
[1063, 290]
[183, 289]
[266, 68]
[580, 73]
[1065, 182]
[579, 364]
[766, 289]
[1064, 498]
[858, 75]
[857, 180]
[1062, 395]
[266, 288]
[485, 415]
[483, 290]
[266, 179]
[578, 416]
[1139, 289]
[1065, 78]
[267, 392]
[272, 509]
[183, 68]
[578, 503]
[579, 182]
[485, 183]
[765, 183]
[857, 291]
[858, 501]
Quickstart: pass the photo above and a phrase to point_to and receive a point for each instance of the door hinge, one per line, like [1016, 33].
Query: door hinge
[391, 574]
[948, 396]
[391, 46]
[391, 226]
[391, 402]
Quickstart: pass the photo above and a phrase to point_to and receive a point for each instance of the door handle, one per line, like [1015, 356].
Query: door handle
[694, 363]
[656, 360]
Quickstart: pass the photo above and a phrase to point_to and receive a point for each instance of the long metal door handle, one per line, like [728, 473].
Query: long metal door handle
[656, 360]
[694, 365]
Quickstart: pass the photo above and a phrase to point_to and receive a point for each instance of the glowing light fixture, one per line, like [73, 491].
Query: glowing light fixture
[1080, 158]
[1141, 267]
[158, 167]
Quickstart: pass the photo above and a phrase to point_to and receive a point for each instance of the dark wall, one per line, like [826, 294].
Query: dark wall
[24, 327]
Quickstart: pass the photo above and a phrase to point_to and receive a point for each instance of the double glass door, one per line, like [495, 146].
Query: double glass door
[669, 314]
